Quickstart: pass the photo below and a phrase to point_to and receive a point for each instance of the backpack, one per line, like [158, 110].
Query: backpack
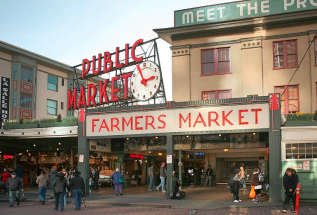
[261, 178]
[121, 181]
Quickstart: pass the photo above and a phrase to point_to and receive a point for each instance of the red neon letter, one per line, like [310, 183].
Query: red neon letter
[126, 54]
[136, 59]
[124, 122]
[256, 114]
[93, 124]
[137, 123]
[224, 118]
[125, 77]
[213, 120]
[114, 90]
[103, 125]
[107, 60]
[85, 69]
[103, 92]
[200, 119]
[71, 101]
[94, 64]
[118, 65]
[82, 97]
[149, 123]
[91, 97]
[162, 121]
[185, 120]
[113, 125]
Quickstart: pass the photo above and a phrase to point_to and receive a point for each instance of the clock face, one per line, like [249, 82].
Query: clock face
[145, 80]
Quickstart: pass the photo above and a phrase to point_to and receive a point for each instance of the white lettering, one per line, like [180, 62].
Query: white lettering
[263, 7]
[313, 3]
[200, 16]
[255, 8]
[210, 14]
[188, 15]
[241, 8]
[301, 3]
[220, 11]
[286, 3]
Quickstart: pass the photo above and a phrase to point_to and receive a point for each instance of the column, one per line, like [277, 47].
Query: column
[15, 160]
[180, 167]
[72, 158]
[169, 164]
[120, 165]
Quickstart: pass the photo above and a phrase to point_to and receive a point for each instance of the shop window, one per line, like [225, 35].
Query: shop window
[26, 74]
[14, 99]
[51, 107]
[285, 54]
[215, 61]
[217, 94]
[15, 72]
[289, 99]
[52, 83]
[301, 150]
[25, 100]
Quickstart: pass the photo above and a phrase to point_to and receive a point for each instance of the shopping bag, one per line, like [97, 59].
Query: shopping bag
[252, 193]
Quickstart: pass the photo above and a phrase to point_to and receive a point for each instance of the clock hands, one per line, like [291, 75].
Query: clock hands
[150, 78]
[143, 81]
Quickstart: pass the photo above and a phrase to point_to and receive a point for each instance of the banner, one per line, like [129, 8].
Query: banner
[5, 100]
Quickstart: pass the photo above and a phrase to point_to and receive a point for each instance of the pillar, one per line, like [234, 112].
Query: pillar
[180, 167]
[72, 158]
[15, 160]
[169, 164]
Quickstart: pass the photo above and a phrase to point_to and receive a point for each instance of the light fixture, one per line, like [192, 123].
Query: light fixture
[127, 138]
[253, 133]
[50, 147]
[27, 150]
[187, 136]
[59, 144]
[219, 135]
[156, 137]
[34, 145]
[57, 149]
[225, 150]
[159, 153]
[20, 153]
[0, 152]
[150, 152]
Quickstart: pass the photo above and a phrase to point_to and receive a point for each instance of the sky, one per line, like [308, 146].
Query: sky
[72, 30]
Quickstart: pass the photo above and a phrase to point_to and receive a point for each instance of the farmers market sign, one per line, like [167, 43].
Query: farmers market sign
[240, 10]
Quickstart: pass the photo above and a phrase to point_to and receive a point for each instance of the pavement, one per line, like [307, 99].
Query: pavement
[203, 200]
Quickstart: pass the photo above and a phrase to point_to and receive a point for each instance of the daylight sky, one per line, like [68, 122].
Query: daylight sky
[71, 30]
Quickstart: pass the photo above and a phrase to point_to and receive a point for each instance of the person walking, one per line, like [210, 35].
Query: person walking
[51, 177]
[209, 173]
[14, 183]
[254, 181]
[232, 172]
[59, 186]
[235, 186]
[243, 176]
[116, 181]
[151, 178]
[78, 185]
[162, 177]
[197, 174]
[290, 183]
[33, 178]
[5, 176]
[42, 181]
[96, 179]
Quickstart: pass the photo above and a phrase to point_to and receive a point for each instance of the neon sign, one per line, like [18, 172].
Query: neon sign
[7, 156]
[136, 156]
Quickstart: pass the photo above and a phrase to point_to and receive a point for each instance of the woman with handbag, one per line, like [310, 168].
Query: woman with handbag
[254, 181]
[117, 181]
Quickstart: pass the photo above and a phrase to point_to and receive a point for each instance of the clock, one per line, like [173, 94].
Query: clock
[145, 80]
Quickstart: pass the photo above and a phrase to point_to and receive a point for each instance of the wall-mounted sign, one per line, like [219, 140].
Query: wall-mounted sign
[274, 101]
[5, 100]
[135, 156]
[240, 10]
[298, 166]
[103, 145]
[253, 116]
[306, 165]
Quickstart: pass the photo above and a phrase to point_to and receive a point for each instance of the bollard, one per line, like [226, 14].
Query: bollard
[297, 198]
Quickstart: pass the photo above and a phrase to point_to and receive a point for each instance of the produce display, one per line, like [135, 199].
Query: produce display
[106, 172]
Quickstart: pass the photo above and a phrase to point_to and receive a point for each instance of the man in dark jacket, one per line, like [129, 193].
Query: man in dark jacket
[78, 185]
[290, 182]
[51, 177]
[209, 173]
[96, 179]
[14, 183]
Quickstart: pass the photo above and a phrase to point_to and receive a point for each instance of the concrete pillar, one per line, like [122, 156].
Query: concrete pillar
[15, 160]
[170, 165]
[180, 167]
[120, 165]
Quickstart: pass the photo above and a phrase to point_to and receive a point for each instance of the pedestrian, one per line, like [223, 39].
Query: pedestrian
[151, 178]
[243, 176]
[14, 183]
[67, 178]
[60, 185]
[176, 185]
[209, 173]
[197, 174]
[116, 181]
[96, 179]
[235, 186]
[90, 179]
[254, 181]
[232, 172]
[19, 172]
[78, 185]
[33, 178]
[5, 176]
[51, 177]
[290, 183]
[162, 177]
[42, 181]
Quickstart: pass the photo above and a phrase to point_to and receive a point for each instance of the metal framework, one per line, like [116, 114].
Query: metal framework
[149, 51]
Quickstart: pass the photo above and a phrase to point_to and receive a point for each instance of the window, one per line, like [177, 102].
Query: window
[290, 98]
[15, 74]
[51, 107]
[285, 54]
[301, 150]
[315, 52]
[14, 100]
[62, 81]
[62, 105]
[215, 61]
[25, 100]
[51, 83]
[217, 94]
[26, 74]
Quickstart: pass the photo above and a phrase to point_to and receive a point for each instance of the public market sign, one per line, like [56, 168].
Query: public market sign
[240, 10]
[253, 116]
